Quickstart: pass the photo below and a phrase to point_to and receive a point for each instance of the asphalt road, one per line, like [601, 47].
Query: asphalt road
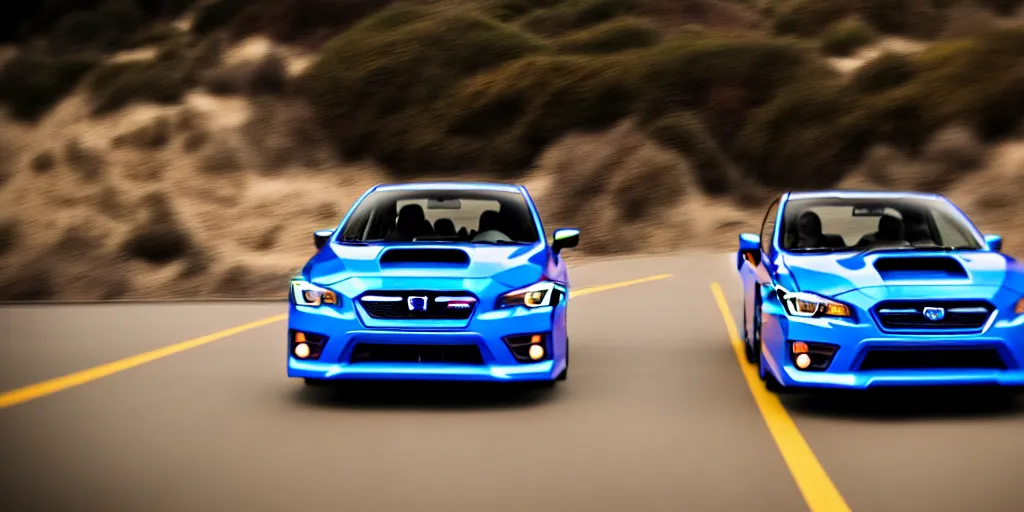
[656, 415]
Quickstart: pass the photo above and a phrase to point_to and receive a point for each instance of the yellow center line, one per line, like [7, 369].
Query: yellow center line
[817, 488]
[606, 287]
[49, 387]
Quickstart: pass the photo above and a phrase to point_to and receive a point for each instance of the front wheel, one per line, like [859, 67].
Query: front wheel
[565, 373]
[314, 382]
[752, 340]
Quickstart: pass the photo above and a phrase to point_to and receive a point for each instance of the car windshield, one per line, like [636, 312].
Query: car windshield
[473, 216]
[837, 224]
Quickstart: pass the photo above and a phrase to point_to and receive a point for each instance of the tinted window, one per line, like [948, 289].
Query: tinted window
[832, 224]
[768, 227]
[442, 216]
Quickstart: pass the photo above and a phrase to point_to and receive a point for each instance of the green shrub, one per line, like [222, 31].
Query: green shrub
[798, 141]
[116, 85]
[284, 20]
[978, 80]
[846, 37]
[155, 34]
[160, 238]
[32, 82]
[370, 85]
[507, 10]
[576, 14]
[809, 17]
[882, 73]
[919, 18]
[685, 133]
[217, 14]
[107, 27]
[613, 36]
[1003, 7]
[721, 78]
[10, 235]
[518, 109]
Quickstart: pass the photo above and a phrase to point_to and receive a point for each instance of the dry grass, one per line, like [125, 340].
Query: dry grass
[218, 196]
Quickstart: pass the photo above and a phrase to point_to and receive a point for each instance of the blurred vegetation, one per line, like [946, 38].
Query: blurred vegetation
[486, 85]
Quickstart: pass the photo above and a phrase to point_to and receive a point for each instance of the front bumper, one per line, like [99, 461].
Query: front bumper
[1003, 338]
[485, 331]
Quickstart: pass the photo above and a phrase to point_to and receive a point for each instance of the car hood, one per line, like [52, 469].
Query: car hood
[511, 265]
[835, 274]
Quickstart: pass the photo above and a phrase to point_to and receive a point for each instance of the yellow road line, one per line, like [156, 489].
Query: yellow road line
[606, 287]
[817, 488]
[49, 387]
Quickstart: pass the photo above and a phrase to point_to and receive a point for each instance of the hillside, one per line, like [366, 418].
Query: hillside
[181, 148]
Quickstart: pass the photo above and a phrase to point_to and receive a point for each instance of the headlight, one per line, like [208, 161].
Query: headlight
[809, 305]
[544, 293]
[306, 294]
[1020, 307]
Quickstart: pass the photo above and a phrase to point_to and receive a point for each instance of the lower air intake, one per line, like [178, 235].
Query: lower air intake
[933, 359]
[387, 353]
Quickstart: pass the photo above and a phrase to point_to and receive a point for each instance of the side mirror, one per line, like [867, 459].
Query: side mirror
[750, 249]
[995, 242]
[565, 238]
[320, 237]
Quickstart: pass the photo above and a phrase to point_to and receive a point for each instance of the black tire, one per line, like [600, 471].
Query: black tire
[752, 340]
[770, 382]
[314, 382]
[565, 373]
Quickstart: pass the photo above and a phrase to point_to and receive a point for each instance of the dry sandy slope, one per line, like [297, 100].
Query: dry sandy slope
[248, 183]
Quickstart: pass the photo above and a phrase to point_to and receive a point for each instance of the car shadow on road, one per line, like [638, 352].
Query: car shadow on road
[424, 395]
[916, 404]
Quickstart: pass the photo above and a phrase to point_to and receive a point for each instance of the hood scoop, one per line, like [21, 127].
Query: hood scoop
[412, 257]
[914, 268]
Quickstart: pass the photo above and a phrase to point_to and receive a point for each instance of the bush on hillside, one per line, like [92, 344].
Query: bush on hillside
[10, 235]
[1003, 7]
[507, 10]
[107, 28]
[846, 37]
[160, 238]
[368, 85]
[284, 20]
[575, 14]
[721, 78]
[807, 18]
[685, 133]
[799, 141]
[521, 107]
[885, 72]
[613, 36]
[116, 85]
[33, 82]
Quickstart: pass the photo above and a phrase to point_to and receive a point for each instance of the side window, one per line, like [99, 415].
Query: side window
[768, 227]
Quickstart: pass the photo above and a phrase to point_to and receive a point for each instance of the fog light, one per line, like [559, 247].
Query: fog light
[799, 347]
[803, 361]
[536, 338]
[302, 351]
[536, 352]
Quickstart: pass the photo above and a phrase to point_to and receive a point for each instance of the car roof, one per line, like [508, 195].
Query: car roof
[861, 194]
[451, 185]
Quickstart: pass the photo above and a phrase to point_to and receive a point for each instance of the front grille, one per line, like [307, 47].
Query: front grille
[922, 359]
[387, 353]
[418, 305]
[953, 315]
